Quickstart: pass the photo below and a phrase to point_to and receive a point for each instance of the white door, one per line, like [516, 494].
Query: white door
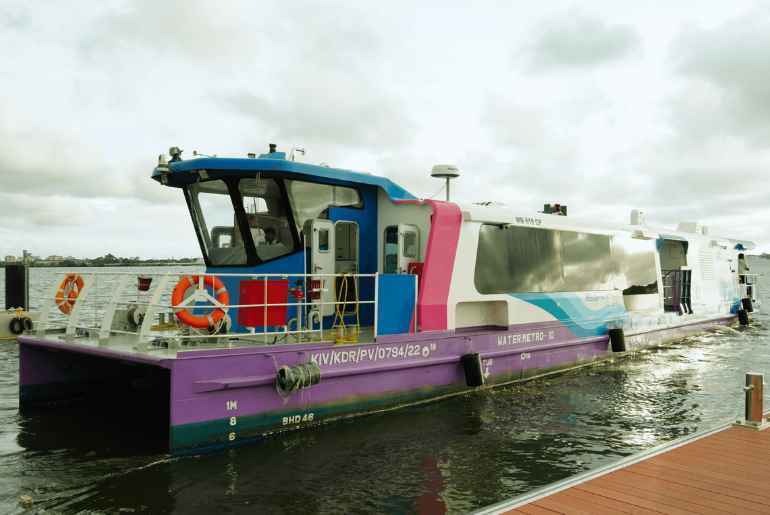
[346, 247]
[408, 246]
[320, 234]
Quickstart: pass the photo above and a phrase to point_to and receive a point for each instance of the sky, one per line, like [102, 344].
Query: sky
[604, 106]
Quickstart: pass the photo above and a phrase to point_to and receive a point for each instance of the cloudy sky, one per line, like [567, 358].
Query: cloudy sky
[605, 106]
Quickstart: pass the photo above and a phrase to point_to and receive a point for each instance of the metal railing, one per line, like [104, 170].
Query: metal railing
[748, 278]
[112, 306]
[749, 284]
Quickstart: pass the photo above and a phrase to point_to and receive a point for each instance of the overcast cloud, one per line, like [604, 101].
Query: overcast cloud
[605, 107]
[574, 39]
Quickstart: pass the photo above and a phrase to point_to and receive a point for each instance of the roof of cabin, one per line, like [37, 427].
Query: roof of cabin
[497, 214]
[276, 162]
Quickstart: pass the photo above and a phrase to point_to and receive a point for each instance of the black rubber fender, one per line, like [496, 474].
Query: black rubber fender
[474, 374]
[16, 325]
[743, 317]
[747, 305]
[617, 340]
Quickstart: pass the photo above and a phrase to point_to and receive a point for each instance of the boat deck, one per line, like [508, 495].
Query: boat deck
[723, 471]
[129, 344]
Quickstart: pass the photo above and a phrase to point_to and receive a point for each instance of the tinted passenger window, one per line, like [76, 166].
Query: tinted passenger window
[514, 259]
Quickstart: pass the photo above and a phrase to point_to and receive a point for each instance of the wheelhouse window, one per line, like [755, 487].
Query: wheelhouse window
[216, 223]
[267, 217]
[242, 221]
[309, 200]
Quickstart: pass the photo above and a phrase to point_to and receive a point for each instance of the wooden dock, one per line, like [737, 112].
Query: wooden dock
[726, 470]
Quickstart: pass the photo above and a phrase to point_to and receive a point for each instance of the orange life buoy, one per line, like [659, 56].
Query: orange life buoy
[68, 292]
[185, 316]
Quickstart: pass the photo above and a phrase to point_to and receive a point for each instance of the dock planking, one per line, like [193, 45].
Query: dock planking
[722, 471]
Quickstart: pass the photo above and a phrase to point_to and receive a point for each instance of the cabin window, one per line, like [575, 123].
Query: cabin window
[586, 261]
[514, 259]
[310, 199]
[410, 244]
[673, 254]
[636, 265]
[390, 250]
[266, 214]
[216, 223]
[241, 221]
[323, 240]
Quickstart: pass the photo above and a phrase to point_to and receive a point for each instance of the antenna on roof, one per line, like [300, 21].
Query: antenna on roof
[447, 172]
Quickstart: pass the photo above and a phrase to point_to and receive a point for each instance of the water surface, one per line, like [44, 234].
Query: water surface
[449, 456]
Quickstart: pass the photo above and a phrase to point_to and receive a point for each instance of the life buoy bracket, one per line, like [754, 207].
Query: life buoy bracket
[68, 292]
[220, 299]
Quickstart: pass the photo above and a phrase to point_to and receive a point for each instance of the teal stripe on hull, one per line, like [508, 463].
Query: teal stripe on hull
[571, 310]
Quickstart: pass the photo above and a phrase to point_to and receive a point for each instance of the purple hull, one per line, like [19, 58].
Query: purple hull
[226, 396]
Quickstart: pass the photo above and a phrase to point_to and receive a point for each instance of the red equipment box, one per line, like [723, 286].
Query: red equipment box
[415, 268]
[253, 292]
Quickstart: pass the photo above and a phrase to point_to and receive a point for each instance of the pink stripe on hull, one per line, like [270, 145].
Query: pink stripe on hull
[439, 263]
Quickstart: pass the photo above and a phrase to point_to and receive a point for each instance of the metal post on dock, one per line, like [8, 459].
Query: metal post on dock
[754, 391]
[16, 286]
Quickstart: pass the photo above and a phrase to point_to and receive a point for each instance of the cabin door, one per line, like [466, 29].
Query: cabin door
[401, 246]
[319, 240]
[408, 247]
[346, 262]
[345, 247]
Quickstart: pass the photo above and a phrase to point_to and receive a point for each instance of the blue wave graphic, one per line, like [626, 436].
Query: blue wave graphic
[570, 309]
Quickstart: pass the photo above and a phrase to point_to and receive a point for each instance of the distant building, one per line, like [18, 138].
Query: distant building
[11, 259]
[54, 259]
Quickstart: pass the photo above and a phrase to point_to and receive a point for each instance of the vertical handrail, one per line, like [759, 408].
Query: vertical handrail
[416, 294]
[45, 311]
[264, 310]
[306, 298]
[299, 305]
[152, 308]
[376, 301]
[109, 313]
[80, 301]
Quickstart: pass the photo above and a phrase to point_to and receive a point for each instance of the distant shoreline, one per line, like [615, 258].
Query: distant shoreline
[94, 265]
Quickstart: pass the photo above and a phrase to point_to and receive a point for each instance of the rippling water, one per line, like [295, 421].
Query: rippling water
[449, 456]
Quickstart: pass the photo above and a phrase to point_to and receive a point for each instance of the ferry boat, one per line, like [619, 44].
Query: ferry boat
[329, 293]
